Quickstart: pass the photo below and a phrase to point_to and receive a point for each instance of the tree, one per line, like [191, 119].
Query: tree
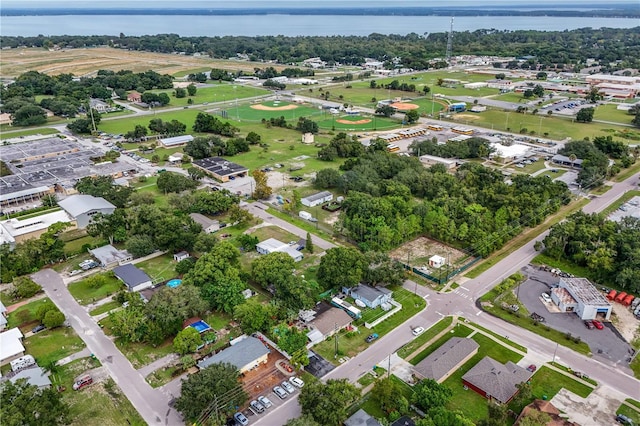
[103, 186]
[185, 265]
[523, 397]
[192, 89]
[309, 243]
[205, 242]
[302, 421]
[195, 173]
[198, 148]
[585, 115]
[341, 267]
[262, 190]
[217, 384]
[441, 416]
[113, 226]
[272, 269]
[180, 92]
[248, 242]
[253, 138]
[187, 341]
[140, 245]
[29, 115]
[138, 132]
[328, 402]
[594, 95]
[25, 404]
[170, 307]
[382, 270]
[388, 394]
[430, 394]
[239, 216]
[25, 287]
[53, 319]
[254, 316]
[174, 182]
[81, 125]
[42, 310]
[307, 126]
[291, 340]
[385, 110]
[412, 116]
[535, 418]
[327, 178]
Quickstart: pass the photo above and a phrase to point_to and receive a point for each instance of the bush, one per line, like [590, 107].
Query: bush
[25, 287]
[53, 319]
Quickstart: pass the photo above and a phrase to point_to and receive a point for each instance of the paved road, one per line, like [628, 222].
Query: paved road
[462, 302]
[258, 209]
[151, 404]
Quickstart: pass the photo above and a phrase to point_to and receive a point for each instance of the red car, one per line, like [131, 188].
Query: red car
[598, 324]
[531, 368]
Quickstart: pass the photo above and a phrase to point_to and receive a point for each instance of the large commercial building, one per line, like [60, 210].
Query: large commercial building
[580, 296]
[15, 230]
[83, 207]
[221, 169]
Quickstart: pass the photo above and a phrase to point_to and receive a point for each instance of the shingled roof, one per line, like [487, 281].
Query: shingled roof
[499, 381]
[439, 364]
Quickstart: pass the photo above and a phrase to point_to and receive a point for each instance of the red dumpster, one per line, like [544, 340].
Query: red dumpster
[612, 295]
[627, 300]
[620, 297]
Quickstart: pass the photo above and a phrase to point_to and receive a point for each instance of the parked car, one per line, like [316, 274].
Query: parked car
[256, 406]
[82, 381]
[280, 393]
[597, 324]
[417, 331]
[545, 297]
[532, 368]
[241, 419]
[266, 402]
[589, 324]
[38, 328]
[297, 382]
[370, 338]
[622, 419]
[288, 387]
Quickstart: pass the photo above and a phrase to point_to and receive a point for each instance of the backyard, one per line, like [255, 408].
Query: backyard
[53, 345]
[85, 292]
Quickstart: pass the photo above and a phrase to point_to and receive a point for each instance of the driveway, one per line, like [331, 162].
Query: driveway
[606, 343]
[151, 404]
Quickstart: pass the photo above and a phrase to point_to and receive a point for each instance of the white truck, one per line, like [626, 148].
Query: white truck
[305, 215]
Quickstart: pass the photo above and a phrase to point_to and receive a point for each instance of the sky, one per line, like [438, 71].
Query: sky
[217, 4]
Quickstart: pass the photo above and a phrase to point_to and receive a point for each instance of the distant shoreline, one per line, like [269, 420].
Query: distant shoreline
[613, 11]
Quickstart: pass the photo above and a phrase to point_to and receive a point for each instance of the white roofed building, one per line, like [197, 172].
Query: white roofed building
[274, 246]
[11, 345]
[82, 207]
[16, 230]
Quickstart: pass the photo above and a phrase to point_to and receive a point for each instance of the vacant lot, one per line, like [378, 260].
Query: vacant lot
[417, 252]
[86, 61]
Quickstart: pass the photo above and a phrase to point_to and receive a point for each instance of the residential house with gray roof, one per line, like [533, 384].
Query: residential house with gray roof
[135, 279]
[496, 381]
[446, 359]
[246, 354]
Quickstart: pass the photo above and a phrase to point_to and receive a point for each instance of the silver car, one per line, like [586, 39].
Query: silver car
[288, 387]
[281, 393]
[266, 402]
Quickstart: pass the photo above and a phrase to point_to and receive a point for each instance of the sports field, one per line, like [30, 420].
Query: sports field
[270, 109]
[225, 92]
[358, 123]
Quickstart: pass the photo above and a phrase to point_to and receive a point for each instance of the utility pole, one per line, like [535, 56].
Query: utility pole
[449, 44]
[335, 333]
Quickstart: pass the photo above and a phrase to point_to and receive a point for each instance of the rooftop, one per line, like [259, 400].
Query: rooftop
[131, 275]
[318, 196]
[35, 376]
[11, 343]
[563, 295]
[16, 227]
[361, 418]
[219, 166]
[78, 204]
[109, 254]
[202, 220]
[446, 357]
[326, 321]
[176, 140]
[583, 291]
[370, 293]
[499, 381]
[239, 355]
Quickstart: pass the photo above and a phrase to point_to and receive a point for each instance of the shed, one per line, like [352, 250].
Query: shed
[135, 279]
[245, 355]
[182, 255]
[436, 261]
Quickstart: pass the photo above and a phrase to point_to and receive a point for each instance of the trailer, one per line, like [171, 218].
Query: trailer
[620, 297]
[612, 295]
[627, 300]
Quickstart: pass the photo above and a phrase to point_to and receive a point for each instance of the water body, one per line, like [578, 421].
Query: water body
[288, 25]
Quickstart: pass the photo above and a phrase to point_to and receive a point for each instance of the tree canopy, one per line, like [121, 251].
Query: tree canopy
[24, 404]
[327, 403]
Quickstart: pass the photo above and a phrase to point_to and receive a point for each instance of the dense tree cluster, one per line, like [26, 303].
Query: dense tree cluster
[327, 403]
[209, 146]
[606, 45]
[474, 208]
[25, 404]
[471, 148]
[175, 182]
[103, 186]
[207, 123]
[609, 250]
[343, 146]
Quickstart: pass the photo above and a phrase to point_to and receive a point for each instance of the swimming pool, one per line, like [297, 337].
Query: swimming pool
[201, 326]
[174, 283]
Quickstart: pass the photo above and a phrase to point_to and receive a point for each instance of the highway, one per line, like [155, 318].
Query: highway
[462, 303]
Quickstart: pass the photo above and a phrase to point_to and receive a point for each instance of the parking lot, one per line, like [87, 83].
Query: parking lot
[631, 208]
[606, 343]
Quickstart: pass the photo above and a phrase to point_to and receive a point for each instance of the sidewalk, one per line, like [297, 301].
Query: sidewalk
[157, 364]
[15, 306]
[86, 352]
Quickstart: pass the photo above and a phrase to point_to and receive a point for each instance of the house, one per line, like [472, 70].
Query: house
[3, 317]
[35, 376]
[274, 246]
[317, 199]
[361, 418]
[11, 345]
[175, 158]
[220, 168]
[109, 255]
[495, 381]
[209, 226]
[246, 354]
[16, 230]
[436, 261]
[328, 321]
[135, 279]
[540, 406]
[134, 97]
[181, 256]
[580, 296]
[449, 357]
[566, 161]
[99, 105]
[175, 141]
[82, 207]
[372, 297]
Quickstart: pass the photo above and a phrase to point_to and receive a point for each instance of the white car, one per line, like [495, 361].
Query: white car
[418, 331]
[287, 386]
[297, 382]
[546, 298]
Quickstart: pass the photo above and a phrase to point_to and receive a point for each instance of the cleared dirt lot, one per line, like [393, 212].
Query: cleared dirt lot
[82, 62]
[597, 409]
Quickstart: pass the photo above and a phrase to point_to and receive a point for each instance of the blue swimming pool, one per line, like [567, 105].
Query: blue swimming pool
[174, 283]
[201, 326]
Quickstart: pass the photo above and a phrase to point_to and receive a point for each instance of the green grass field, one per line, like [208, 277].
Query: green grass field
[123, 125]
[609, 112]
[25, 316]
[105, 307]
[414, 344]
[547, 382]
[161, 267]
[220, 92]
[86, 294]
[9, 134]
[373, 123]
[53, 345]
[250, 113]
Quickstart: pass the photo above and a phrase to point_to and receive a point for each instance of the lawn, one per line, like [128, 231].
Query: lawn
[221, 92]
[533, 167]
[250, 113]
[105, 307]
[352, 343]
[569, 370]
[25, 316]
[9, 134]
[75, 246]
[503, 339]
[160, 268]
[609, 112]
[546, 382]
[53, 345]
[163, 376]
[413, 345]
[634, 415]
[103, 401]
[373, 122]
[627, 173]
[141, 354]
[85, 294]
[121, 126]
[460, 330]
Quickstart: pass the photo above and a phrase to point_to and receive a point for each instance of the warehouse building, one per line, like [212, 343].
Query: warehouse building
[580, 296]
[221, 169]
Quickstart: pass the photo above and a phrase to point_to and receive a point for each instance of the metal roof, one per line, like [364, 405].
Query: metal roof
[35, 376]
[131, 275]
[583, 291]
[22, 193]
[318, 196]
[176, 140]
[76, 205]
[11, 343]
[239, 355]
[369, 293]
[219, 166]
